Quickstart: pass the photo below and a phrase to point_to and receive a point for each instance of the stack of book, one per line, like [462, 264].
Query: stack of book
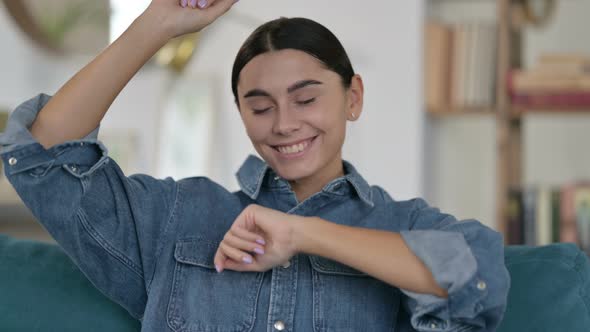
[540, 215]
[460, 66]
[556, 82]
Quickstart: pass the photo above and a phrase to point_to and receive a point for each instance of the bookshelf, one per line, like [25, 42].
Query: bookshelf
[510, 121]
[506, 121]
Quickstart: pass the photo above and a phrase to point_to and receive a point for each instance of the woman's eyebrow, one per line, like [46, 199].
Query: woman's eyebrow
[302, 84]
[291, 89]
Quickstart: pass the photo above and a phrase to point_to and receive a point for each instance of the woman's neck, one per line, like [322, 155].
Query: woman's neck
[310, 185]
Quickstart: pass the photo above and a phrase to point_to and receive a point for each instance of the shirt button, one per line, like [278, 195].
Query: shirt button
[286, 265]
[12, 161]
[279, 325]
[74, 169]
[481, 285]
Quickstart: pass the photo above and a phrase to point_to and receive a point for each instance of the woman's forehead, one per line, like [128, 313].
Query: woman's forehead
[280, 69]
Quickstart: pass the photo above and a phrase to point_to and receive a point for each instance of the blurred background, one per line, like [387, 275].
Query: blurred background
[479, 106]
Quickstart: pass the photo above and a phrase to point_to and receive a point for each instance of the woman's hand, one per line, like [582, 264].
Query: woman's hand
[179, 17]
[259, 240]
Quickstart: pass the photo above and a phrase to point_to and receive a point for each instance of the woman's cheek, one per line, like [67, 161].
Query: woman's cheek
[258, 130]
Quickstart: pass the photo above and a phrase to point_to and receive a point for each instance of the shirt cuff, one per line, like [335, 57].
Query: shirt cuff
[454, 269]
[17, 128]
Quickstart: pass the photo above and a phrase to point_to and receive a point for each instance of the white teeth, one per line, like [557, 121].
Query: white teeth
[296, 148]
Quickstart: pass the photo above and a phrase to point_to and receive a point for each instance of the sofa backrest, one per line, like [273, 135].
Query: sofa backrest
[549, 291]
[42, 290]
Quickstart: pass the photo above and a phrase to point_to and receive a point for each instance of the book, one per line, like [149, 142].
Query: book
[564, 58]
[460, 63]
[473, 65]
[543, 222]
[555, 214]
[568, 231]
[534, 83]
[437, 65]
[458, 68]
[514, 215]
[582, 216]
[529, 216]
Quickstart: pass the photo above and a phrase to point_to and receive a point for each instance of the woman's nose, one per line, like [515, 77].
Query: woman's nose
[286, 122]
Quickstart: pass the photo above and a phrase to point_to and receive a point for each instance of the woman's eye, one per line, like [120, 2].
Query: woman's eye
[260, 111]
[306, 102]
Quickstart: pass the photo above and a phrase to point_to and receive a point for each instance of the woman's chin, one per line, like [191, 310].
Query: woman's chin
[293, 172]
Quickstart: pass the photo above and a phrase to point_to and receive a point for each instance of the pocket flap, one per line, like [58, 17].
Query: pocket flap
[324, 265]
[196, 251]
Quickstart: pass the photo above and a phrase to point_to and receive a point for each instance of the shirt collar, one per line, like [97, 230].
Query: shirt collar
[254, 170]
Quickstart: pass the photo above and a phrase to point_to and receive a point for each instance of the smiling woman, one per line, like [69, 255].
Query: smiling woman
[306, 244]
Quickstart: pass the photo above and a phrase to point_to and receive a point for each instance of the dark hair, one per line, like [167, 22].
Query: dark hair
[299, 34]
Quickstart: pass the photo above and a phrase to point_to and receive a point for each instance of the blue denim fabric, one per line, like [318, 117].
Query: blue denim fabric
[148, 244]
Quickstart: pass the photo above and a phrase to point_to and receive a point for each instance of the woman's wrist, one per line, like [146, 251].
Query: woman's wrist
[155, 26]
[302, 231]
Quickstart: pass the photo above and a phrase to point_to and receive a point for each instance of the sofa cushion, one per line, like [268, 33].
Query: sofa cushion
[42, 290]
[550, 289]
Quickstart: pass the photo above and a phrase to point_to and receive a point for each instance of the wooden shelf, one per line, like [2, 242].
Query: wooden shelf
[518, 111]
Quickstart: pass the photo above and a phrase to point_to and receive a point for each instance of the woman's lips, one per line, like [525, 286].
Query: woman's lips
[294, 150]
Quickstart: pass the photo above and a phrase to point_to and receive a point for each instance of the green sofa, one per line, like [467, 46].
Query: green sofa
[42, 290]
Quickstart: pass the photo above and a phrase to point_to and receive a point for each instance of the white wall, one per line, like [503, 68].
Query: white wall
[383, 39]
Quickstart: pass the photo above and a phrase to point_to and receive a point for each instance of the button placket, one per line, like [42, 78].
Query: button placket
[282, 297]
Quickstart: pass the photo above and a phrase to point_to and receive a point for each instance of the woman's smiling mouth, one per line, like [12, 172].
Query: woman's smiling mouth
[294, 150]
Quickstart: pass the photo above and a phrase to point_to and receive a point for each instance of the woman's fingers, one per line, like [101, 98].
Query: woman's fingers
[247, 235]
[219, 260]
[201, 4]
[236, 254]
[242, 244]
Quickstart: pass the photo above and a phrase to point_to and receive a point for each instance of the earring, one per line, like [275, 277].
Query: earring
[353, 115]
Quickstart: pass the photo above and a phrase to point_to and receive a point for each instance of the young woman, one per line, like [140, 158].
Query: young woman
[305, 245]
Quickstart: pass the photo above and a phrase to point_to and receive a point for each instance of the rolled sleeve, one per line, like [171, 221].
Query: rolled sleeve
[466, 259]
[21, 152]
[17, 128]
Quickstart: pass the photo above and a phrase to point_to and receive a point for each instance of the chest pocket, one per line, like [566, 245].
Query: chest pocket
[346, 299]
[204, 300]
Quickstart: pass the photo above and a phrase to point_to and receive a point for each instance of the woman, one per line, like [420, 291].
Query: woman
[305, 245]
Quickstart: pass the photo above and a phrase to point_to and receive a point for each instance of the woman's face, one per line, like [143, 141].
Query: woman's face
[295, 112]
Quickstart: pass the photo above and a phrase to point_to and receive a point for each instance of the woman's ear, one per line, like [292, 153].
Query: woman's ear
[355, 98]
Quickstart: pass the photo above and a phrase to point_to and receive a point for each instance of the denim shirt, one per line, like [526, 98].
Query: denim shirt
[148, 244]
